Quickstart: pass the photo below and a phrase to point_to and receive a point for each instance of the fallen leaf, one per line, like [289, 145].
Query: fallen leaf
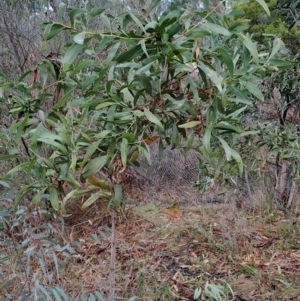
[149, 140]
[92, 179]
[173, 211]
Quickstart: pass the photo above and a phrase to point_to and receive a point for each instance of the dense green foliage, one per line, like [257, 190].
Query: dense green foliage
[155, 77]
[261, 26]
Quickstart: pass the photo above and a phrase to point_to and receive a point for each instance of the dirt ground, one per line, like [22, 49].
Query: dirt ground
[253, 253]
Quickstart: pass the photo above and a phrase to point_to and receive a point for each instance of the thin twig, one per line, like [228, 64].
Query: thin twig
[112, 274]
[250, 197]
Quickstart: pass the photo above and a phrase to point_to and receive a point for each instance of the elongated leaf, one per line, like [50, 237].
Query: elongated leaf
[49, 66]
[56, 145]
[52, 30]
[130, 54]
[281, 64]
[197, 32]
[250, 45]
[227, 60]
[112, 52]
[71, 55]
[253, 89]
[8, 157]
[264, 6]
[152, 118]
[190, 140]
[79, 38]
[75, 12]
[217, 80]
[64, 99]
[54, 198]
[137, 21]
[61, 10]
[94, 166]
[226, 148]
[175, 136]
[91, 200]
[146, 81]
[206, 139]
[276, 45]
[96, 11]
[190, 124]
[118, 195]
[238, 160]
[124, 152]
[144, 69]
[129, 65]
[56, 295]
[127, 96]
[105, 105]
[92, 179]
[216, 29]
[153, 4]
[106, 21]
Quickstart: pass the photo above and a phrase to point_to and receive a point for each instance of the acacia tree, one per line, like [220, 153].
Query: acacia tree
[163, 79]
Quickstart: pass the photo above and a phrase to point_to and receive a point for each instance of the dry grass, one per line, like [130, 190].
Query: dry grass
[158, 258]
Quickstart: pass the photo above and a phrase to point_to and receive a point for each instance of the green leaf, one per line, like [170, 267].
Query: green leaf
[281, 64]
[238, 160]
[226, 148]
[253, 89]
[52, 30]
[251, 47]
[79, 38]
[71, 55]
[130, 54]
[190, 124]
[264, 6]
[91, 200]
[197, 32]
[217, 80]
[190, 140]
[20, 167]
[96, 11]
[227, 60]
[217, 29]
[54, 198]
[127, 95]
[112, 52]
[75, 13]
[118, 195]
[153, 4]
[152, 118]
[61, 10]
[49, 66]
[51, 139]
[124, 152]
[137, 21]
[105, 105]
[94, 166]
[175, 136]
[55, 144]
[276, 45]
[106, 21]
[146, 81]
[129, 136]
[235, 13]
[206, 139]
[144, 69]
[129, 65]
